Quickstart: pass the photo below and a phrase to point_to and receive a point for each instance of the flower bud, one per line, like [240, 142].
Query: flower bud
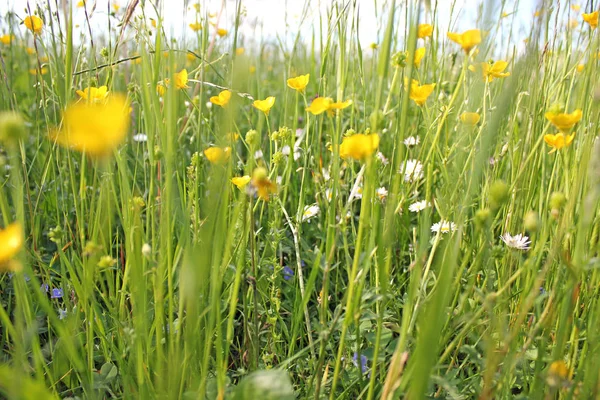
[12, 127]
[531, 221]
[482, 218]
[557, 200]
[498, 194]
[252, 137]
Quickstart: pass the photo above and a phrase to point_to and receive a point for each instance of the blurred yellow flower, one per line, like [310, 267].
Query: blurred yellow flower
[573, 23]
[222, 98]
[116, 7]
[580, 67]
[252, 69]
[467, 40]
[241, 181]
[591, 19]
[563, 121]
[221, 32]
[419, 54]
[153, 22]
[558, 141]
[161, 89]
[30, 50]
[340, 105]
[239, 51]
[359, 146]
[263, 185]
[217, 155]
[81, 3]
[298, 83]
[491, 71]
[190, 57]
[575, 7]
[264, 105]
[34, 24]
[181, 79]
[34, 71]
[470, 118]
[319, 105]
[12, 241]
[196, 26]
[424, 30]
[93, 93]
[94, 127]
[232, 137]
[6, 39]
[419, 93]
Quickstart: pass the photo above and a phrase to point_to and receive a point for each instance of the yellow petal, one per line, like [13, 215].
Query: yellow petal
[12, 241]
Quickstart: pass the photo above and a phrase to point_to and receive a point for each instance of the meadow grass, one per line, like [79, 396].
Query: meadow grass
[345, 265]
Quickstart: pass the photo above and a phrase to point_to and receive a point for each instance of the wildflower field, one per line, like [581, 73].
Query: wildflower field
[224, 213]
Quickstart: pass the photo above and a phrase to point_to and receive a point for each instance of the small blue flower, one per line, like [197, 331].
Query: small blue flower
[542, 290]
[363, 362]
[288, 273]
[57, 293]
[62, 314]
[44, 288]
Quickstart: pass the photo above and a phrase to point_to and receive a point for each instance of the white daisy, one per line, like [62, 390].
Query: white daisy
[310, 211]
[419, 206]
[328, 194]
[382, 158]
[519, 242]
[140, 137]
[326, 175]
[382, 193]
[412, 170]
[443, 227]
[412, 141]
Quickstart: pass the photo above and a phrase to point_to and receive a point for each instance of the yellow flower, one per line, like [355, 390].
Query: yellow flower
[419, 54]
[359, 146]
[221, 32]
[491, 71]
[424, 30]
[580, 67]
[470, 118]
[558, 141]
[239, 51]
[467, 40]
[340, 105]
[252, 69]
[217, 155]
[153, 22]
[34, 24]
[80, 3]
[6, 39]
[222, 99]
[96, 127]
[161, 89]
[241, 181]
[93, 93]
[196, 26]
[34, 71]
[264, 105]
[116, 7]
[591, 18]
[319, 105]
[12, 241]
[575, 7]
[563, 121]
[298, 83]
[30, 50]
[181, 79]
[420, 93]
[232, 137]
[263, 185]
[573, 23]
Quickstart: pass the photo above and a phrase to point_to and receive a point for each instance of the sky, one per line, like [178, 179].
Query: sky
[270, 19]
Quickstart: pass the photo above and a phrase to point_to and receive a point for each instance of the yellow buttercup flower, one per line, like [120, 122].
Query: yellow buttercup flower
[419, 93]
[263, 185]
[563, 121]
[467, 40]
[491, 71]
[239, 51]
[319, 105]
[470, 118]
[30, 50]
[217, 155]
[241, 181]
[575, 7]
[424, 30]
[116, 7]
[12, 241]
[264, 105]
[339, 105]
[419, 54]
[93, 93]
[34, 24]
[181, 79]
[558, 141]
[81, 3]
[222, 99]
[6, 39]
[34, 71]
[591, 19]
[359, 146]
[298, 83]
[196, 26]
[580, 67]
[161, 89]
[94, 127]
[221, 32]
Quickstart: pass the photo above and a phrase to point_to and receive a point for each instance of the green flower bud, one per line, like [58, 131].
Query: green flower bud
[12, 127]
[498, 194]
[252, 137]
[482, 218]
[557, 200]
[531, 221]
[158, 153]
